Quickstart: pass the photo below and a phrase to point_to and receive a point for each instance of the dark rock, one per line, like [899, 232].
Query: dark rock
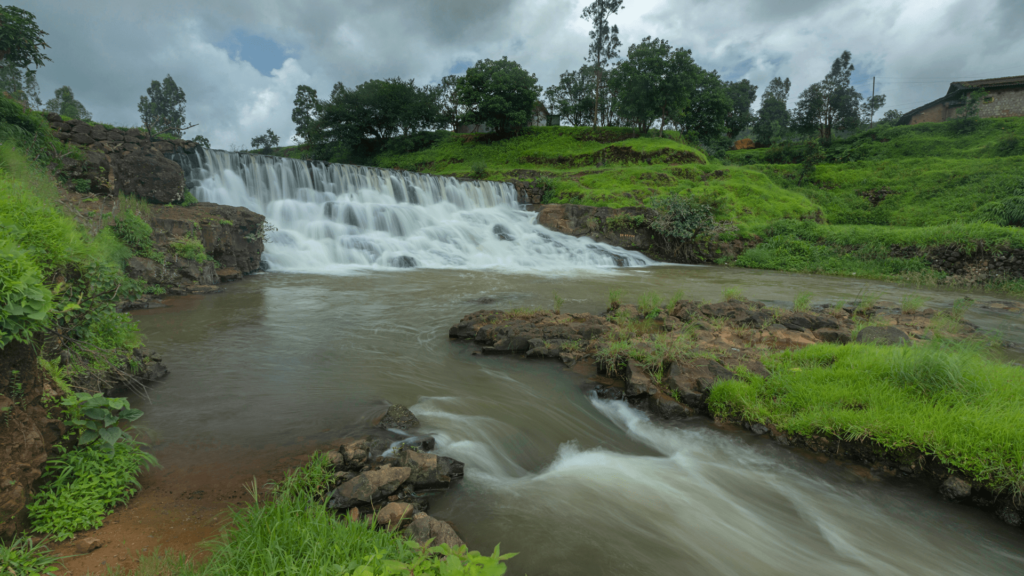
[228, 274]
[954, 488]
[1010, 515]
[399, 417]
[392, 516]
[693, 380]
[540, 348]
[883, 335]
[833, 335]
[369, 487]
[152, 178]
[609, 393]
[668, 407]
[430, 470]
[637, 381]
[503, 233]
[402, 262]
[424, 528]
[81, 138]
[54, 117]
[758, 428]
[355, 451]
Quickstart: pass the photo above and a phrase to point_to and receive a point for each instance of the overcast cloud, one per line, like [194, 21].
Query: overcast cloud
[240, 61]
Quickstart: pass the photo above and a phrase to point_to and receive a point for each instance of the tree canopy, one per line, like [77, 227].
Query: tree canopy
[573, 97]
[20, 85]
[742, 95]
[64, 103]
[265, 142]
[163, 108]
[21, 40]
[653, 83]
[604, 42]
[831, 104]
[773, 118]
[499, 93]
[709, 106]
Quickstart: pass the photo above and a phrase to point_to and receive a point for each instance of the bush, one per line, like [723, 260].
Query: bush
[24, 299]
[190, 248]
[187, 199]
[134, 232]
[83, 485]
[478, 169]
[681, 218]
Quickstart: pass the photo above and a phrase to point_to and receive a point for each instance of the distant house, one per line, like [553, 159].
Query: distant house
[540, 118]
[1004, 99]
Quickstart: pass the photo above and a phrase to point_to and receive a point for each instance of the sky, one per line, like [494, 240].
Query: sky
[240, 61]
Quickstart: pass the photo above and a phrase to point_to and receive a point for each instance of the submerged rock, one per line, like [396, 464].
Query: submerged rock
[399, 417]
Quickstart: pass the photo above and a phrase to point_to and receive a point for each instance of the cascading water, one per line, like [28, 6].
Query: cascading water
[333, 217]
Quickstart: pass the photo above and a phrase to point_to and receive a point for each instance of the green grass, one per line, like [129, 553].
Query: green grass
[22, 557]
[949, 401]
[83, 485]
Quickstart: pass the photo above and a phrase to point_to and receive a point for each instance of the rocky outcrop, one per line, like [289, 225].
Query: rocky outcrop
[29, 429]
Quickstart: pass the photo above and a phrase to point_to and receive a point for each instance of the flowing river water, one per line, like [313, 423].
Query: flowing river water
[285, 360]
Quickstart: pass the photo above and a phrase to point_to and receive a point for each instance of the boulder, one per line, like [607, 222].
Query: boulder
[392, 516]
[86, 545]
[355, 451]
[667, 407]
[693, 380]
[424, 528]
[152, 178]
[955, 488]
[887, 335]
[399, 417]
[430, 470]
[228, 274]
[638, 382]
[369, 487]
[833, 335]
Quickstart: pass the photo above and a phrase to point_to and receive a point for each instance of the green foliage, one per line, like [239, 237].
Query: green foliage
[773, 117]
[95, 418]
[202, 140]
[498, 93]
[227, 223]
[163, 108]
[654, 83]
[478, 169]
[677, 297]
[802, 302]
[558, 301]
[82, 485]
[648, 304]
[732, 294]
[21, 40]
[190, 248]
[265, 142]
[573, 97]
[742, 95]
[292, 532]
[188, 199]
[830, 105]
[911, 303]
[24, 299]
[966, 119]
[23, 557]
[681, 218]
[136, 234]
[615, 297]
[946, 400]
[64, 103]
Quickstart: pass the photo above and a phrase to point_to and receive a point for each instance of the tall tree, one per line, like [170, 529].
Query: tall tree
[21, 40]
[573, 97]
[742, 95]
[20, 85]
[870, 107]
[832, 104]
[891, 117]
[604, 41]
[773, 117]
[452, 110]
[64, 103]
[265, 142]
[305, 112]
[163, 108]
[709, 106]
[499, 93]
[654, 83]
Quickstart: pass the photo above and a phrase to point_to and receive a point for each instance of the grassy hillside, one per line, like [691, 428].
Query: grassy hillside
[907, 186]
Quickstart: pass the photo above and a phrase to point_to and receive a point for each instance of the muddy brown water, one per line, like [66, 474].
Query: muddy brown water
[282, 363]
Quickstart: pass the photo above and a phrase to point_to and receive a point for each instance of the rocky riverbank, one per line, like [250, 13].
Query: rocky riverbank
[668, 359]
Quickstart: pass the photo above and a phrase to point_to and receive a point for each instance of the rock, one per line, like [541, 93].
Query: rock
[336, 458]
[393, 515]
[637, 382]
[955, 488]
[353, 514]
[86, 545]
[369, 487]
[1010, 515]
[54, 117]
[399, 417]
[693, 380]
[424, 528]
[430, 470]
[81, 138]
[667, 407]
[758, 428]
[887, 335]
[503, 233]
[833, 335]
[355, 451]
[152, 178]
[229, 274]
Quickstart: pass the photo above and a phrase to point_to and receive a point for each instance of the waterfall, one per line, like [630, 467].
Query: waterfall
[338, 217]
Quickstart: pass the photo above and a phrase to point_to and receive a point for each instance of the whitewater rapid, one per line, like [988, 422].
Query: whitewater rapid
[337, 218]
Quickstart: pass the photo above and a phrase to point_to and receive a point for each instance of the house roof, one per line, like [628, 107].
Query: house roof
[959, 89]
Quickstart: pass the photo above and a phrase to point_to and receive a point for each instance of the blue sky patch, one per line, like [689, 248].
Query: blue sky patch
[264, 55]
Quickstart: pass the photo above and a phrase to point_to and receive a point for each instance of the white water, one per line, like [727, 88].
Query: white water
[337, 217]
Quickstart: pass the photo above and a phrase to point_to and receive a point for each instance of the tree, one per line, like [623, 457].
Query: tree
[19, 85]
[966, 118]
[653, 83]
[604, 41]
[573, 97]
[64, 103]
[870, 107]
[202, 141]
[265, 142]
[305, 112]
[163, 110]
[742, 95]
[451, 109]
[380, 109]
[832, 104]
[499, 93]
[773, 118]
[21, 40]
[709, 106]
[891, 117]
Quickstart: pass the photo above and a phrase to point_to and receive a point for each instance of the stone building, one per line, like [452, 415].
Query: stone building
[1004, 98]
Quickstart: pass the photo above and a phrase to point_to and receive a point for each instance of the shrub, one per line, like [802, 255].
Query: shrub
[732, 294]
[802, 303]
[190, 248]
[681, 218]
[615, 298]
[134, 232]
[558, 301]
[187, 199]
[24, 299]
[83, 485]
[478, 169]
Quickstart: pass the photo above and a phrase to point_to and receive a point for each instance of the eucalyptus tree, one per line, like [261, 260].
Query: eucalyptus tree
[832, 104]
[742, 95]
[65, 104]
[773, 118]
[163, 108]
[604, 41]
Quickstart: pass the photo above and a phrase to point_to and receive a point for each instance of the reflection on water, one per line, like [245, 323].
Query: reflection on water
[579, 486]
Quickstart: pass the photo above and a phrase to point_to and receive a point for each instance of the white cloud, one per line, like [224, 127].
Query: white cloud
[109, 50]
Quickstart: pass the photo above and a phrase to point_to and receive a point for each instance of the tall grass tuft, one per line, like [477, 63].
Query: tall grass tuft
[558, 301]
[732, 294]
[802, 303]
[649, 304]
[615, 298]
[911, 303]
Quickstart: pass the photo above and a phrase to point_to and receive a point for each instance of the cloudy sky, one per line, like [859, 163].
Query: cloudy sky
[240, 61]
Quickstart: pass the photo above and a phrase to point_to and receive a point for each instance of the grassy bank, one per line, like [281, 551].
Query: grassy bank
[946, 400]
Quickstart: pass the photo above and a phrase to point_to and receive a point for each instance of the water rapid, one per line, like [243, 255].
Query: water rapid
[337, 217]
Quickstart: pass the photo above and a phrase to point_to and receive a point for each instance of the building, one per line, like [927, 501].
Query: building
[540, 118]
[1004, 98]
